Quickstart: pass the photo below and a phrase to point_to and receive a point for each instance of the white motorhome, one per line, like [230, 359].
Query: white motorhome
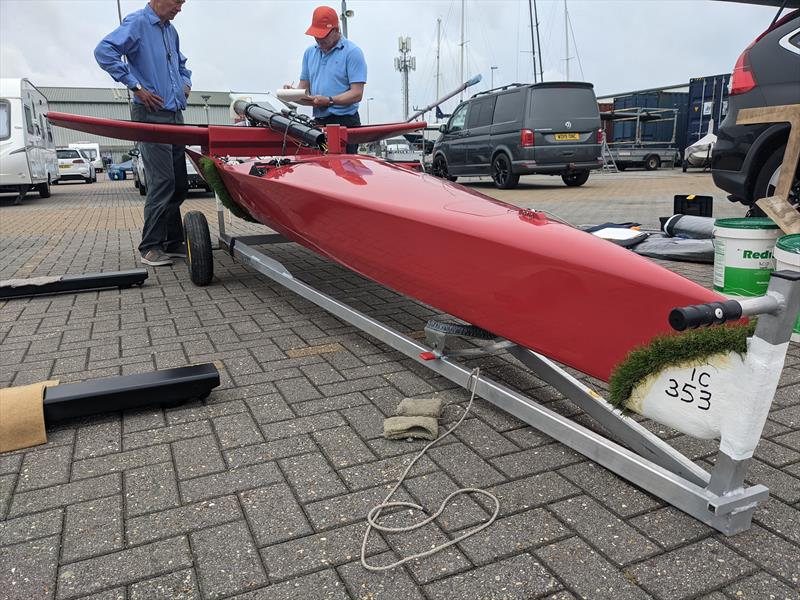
[27, 150]
[92, 151]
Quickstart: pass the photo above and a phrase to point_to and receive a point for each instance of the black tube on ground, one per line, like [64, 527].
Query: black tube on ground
[169, 386]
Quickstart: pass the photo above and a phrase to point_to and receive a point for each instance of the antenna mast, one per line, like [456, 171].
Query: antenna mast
[405, 63]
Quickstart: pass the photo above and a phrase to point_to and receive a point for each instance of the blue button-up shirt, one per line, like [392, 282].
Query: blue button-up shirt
[154, 57]
[332, 73]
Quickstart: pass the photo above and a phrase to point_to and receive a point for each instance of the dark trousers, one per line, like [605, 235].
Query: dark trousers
[348, 121]
[167, 184]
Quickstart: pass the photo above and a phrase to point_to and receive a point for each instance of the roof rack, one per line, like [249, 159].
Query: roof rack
[502, 88]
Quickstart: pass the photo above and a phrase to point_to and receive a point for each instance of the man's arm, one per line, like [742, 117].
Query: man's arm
[110, 50]
[351, 96]
[185, 73]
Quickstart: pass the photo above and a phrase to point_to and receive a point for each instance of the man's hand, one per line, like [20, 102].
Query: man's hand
[187, 90]
[151, 101]
[321, 101]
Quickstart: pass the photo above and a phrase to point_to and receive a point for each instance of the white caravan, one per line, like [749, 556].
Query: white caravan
[92, 151]
[27, 151]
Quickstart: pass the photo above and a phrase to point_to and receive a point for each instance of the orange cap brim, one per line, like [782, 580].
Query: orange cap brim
[318, 32]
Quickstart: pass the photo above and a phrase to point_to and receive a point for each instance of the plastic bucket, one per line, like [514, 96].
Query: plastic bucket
[787, 257]
[744, 255]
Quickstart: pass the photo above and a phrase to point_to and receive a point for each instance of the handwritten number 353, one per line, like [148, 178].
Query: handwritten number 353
[689, 392]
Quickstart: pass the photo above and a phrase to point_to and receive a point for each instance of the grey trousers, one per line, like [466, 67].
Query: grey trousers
[167, 184]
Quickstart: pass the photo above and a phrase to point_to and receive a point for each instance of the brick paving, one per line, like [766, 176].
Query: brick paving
[260, 491]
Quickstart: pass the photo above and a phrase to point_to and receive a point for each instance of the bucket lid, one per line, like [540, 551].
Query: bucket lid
[789, 243]
[746, 223]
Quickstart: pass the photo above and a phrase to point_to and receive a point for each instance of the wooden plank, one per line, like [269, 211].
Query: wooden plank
[777, 207]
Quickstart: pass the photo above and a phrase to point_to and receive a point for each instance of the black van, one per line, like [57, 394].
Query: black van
[520, 129]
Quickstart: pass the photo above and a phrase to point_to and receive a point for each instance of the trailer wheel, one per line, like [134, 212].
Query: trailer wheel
[459, 330]
[198, 248]
[44, 188]
[652, 162]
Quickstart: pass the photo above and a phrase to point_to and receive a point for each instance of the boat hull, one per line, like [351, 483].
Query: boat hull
[561, 292]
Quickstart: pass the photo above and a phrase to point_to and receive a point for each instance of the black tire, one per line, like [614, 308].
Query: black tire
[621, 167]
[684, 166]
[459, 329]
[199, 254]
[136, 183]
[87, 180]
[652, 162]
[575, 179]
[764, 189]
[439, 168]
[142, 189]
[94, 179]
[502, 176]
[44, 189]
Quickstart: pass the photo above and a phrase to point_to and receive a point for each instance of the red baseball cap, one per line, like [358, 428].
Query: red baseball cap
[323, 20]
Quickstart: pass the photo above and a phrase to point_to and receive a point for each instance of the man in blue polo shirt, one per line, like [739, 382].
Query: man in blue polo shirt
[334, 73]
[156, 73]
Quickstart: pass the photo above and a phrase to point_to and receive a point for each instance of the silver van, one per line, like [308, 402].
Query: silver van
[551, 128]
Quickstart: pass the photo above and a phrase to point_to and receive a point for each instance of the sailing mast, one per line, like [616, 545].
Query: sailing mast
[538, 42]
[533, 45]
[438, 52]
[461, 73]
[566, 37]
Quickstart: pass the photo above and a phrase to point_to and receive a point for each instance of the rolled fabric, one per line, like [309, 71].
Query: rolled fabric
[22, 416]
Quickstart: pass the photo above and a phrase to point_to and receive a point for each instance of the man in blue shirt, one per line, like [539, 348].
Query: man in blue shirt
[156, 73]
[334, 73]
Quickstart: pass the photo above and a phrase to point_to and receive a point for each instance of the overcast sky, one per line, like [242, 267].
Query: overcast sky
[257, 45]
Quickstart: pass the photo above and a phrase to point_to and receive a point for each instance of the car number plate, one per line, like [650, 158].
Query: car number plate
[64, 166]
[562, 137]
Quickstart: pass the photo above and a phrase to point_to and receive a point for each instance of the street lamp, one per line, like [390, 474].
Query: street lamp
[493, 70]
[206, 98]
[368, 99]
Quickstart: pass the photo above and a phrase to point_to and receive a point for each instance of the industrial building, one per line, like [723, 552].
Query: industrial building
[112, 103]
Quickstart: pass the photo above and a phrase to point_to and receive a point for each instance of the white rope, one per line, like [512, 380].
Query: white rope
[375, 513]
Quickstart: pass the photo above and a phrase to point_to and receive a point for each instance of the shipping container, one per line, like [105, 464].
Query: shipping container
[708, 100]
[660, 131]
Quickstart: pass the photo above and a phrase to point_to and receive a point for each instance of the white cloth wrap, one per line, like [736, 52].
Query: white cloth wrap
[723, 396]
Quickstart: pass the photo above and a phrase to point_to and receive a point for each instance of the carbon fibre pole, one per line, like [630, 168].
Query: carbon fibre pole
[286, 122]
[444, 98]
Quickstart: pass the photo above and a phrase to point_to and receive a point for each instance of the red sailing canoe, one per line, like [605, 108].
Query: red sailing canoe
[566, 294]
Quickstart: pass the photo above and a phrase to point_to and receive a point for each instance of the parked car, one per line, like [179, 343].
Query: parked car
[746, 160]
[92, 151]
[551, 128]
[27, 151]
[196, 182]
[74, 164]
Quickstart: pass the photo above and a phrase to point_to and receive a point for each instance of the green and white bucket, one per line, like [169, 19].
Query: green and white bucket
[743, 255]
[787, 257]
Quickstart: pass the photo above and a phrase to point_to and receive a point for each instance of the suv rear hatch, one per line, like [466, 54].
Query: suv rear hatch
[565, 119]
